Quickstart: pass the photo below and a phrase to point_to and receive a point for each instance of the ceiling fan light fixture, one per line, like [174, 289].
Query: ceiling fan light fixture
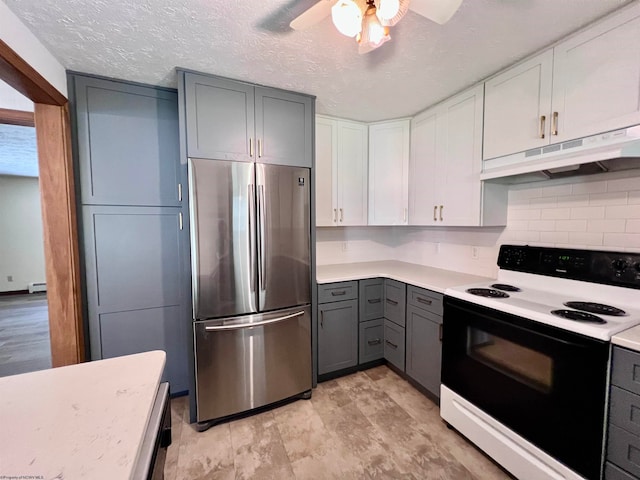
[373, 33]
[387, 9]
[347, 17]
[403, 8]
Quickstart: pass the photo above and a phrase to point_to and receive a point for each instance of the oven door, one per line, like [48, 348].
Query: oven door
[546, 384]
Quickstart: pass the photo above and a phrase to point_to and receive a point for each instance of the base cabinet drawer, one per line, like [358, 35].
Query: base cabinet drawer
[424, 299]
[611, 472]
[371, 296]
[626, 369]
[623, 450]
[395, 297]
[371, 340]
[625, 410]
[337, 292]
[394, 344]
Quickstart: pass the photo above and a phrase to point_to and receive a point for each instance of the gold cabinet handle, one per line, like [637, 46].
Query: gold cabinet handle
[259, 147]
[435, 213]
[250, 147]
[335, 215]
[441, 207]
[543, 120]
[341, 215]
[554, 124]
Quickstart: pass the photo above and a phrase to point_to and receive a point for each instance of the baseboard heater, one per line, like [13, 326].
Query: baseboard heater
[35, 287]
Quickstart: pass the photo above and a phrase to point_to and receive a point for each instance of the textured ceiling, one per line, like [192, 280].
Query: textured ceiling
[250, 40]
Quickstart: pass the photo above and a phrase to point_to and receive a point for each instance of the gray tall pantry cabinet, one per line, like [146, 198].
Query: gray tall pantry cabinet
[133, 246]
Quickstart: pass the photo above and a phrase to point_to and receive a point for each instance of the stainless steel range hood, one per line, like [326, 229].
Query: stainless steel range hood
[606, 152]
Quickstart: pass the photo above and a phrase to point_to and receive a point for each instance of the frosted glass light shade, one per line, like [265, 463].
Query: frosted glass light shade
[373, 32]
[403, 8]
[387, 9]
[347, 17]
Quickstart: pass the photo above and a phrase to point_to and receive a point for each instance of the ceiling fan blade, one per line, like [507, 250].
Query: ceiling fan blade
[440, 11]
[312, 16]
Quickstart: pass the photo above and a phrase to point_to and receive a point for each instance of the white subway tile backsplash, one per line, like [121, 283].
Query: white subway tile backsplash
[556, 190]
[587, 212]
[572, 225]
[623, 211]
[518, 225]
[555, 213]
[633, 226]
[589, 187]
[624, 240]
[524, 214]
[612, 198]
[634, 198]
[543, 202]
[542, 225]
[516, 194]
[623, 184]
[573, 201]
[608, 225]
[554, 237]
[586, 238]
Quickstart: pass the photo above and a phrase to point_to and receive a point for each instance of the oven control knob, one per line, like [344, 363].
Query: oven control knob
[620, 265]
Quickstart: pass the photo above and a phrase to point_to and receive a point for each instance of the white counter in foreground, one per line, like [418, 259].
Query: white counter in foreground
[435, 279]
[628, 339]
[81, 421]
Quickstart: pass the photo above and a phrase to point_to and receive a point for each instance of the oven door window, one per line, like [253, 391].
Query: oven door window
[525, 365]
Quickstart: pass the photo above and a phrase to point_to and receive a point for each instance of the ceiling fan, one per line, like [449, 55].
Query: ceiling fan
[369, 20]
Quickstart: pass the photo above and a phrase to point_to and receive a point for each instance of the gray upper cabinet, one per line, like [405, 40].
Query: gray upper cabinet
[127, 138]
[220, 118]
[232, 120]
[284, 123]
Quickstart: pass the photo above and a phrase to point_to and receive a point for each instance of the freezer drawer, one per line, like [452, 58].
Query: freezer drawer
[247, 362]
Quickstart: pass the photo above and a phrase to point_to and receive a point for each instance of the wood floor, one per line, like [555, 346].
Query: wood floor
[369, 425]
[24, 334]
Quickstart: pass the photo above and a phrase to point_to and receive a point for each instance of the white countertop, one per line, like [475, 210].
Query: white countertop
[629, 338]
[80, 421]
[435, 279]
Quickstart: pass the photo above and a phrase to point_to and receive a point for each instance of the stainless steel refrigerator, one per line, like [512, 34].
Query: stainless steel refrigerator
[250, 254]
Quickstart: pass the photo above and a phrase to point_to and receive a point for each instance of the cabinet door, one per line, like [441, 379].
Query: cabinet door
[127, 143]
[460, 160]
[389, 172]
[424, 348]
[220, 118]
[371, 340]
[515, 102]
[337, 336]
[394, 344]
[596, 78]
[326, 171]
[284, 126]
[422, 169]
[134, 285]
[352, 173]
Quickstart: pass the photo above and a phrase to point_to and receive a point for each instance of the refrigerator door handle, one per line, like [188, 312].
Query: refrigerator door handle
[217, 328]
[261, 236]
[252, 221]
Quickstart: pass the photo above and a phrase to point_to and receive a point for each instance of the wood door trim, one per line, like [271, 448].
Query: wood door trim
[23, 77]
[16, 117]
[57, 196]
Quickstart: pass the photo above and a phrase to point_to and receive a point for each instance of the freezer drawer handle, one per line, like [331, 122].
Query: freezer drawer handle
[391, 302]
[338, 294]
[251, 325]
[422, 300]
[392, 345]
[373, 300]
[377, 341]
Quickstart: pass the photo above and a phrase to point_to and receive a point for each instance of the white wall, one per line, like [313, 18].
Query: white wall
[21, 241]
[16, 34]
[600, 212]
[13, 100]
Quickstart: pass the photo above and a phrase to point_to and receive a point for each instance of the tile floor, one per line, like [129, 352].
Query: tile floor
[369, 425]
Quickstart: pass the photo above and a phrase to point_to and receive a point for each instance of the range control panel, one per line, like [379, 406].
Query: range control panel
[610, 268]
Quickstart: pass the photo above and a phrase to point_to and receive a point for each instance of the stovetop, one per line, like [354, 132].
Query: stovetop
[544, 289]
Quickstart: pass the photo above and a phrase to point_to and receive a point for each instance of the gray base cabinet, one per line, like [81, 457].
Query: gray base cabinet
[132, 243]
[371, 299]
[337, 327]
[371, 338]
[623, 439]
[394, 344]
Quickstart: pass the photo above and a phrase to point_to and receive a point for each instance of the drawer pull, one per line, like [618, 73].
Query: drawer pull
[338, 294]
[422, 300]
[392, 345]
[391, 302]
[373, 300]
[377, 341]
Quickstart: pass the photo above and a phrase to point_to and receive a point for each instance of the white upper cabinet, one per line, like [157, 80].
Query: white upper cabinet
[446, 161]
[517, 107]
[586, 85]
[389, 172]
[596, 78]
[341, 172]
